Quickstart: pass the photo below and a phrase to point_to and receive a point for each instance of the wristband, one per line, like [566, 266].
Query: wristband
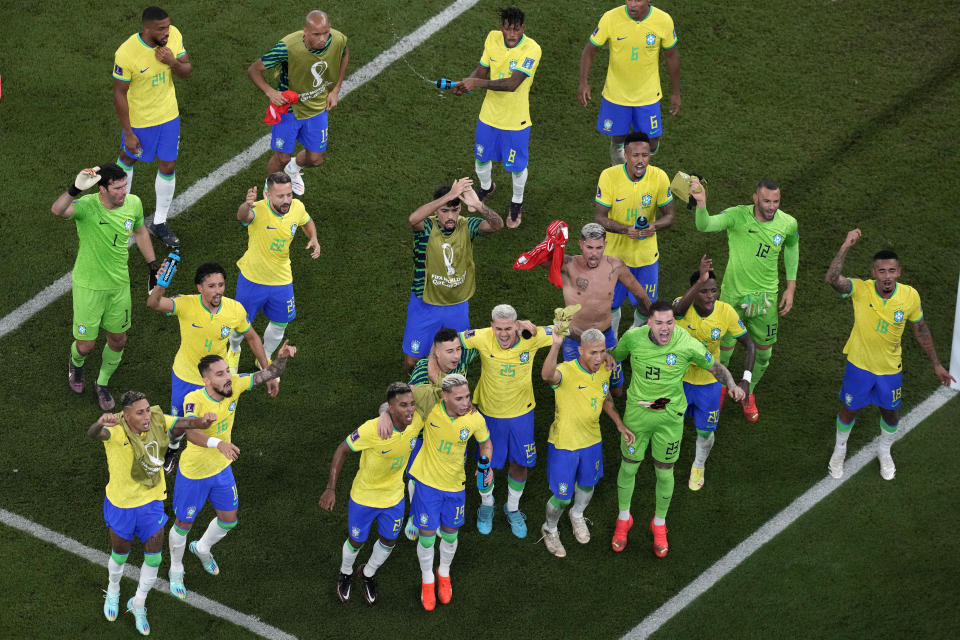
[73, 191]
[213, 442]
[747, 375]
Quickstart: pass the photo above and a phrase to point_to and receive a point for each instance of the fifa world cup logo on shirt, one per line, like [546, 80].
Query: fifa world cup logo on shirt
[448, 258]
[153, 460]
[317, 70]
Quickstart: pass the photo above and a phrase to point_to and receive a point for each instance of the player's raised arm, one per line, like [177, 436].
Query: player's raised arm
[549, 370]
[97, 430]
[329, 496]
[586, 61]
[62, 207]
[492, 222]
[702, 218]
[159, 302]
[275, 370]
[681, 306]
[229, 450]
[424, 211]
[922, 333]
[245, 212]
[834, 278]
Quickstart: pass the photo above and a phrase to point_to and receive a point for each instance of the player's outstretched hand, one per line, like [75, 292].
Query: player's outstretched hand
[944, 375]
[471, 199]
[327, 499]
[628, 436]
[313, 246]
[698, 192]
[851, 239]
[675, 102]
[286, 351]
[786, 301]
[87, 178]
[583, 94]
[458, 188]
[229, 450]
[251, 196]
[705, 265]
[736, 393]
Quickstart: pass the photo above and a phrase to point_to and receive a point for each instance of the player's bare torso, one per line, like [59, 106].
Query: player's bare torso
[591, 288]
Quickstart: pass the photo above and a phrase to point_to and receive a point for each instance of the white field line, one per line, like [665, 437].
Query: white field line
[782, 520]
[212, 607]
[15, 319]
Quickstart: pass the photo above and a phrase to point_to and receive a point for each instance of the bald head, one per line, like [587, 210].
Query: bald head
[316, 30]
[316, 17]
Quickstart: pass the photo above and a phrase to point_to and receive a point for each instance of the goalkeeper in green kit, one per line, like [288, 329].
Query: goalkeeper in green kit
[757, 234]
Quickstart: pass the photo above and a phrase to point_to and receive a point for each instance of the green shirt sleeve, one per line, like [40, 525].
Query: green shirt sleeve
[706, 222]
[791, 253]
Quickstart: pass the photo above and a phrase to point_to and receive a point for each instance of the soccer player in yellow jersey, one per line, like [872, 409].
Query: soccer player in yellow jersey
[440, 475]
[633, 203]
[146, 105]
[504, 396]
[206, 320]
[509, 61]
[377, 491]
[574, 455]
[134, 441]
[204, 472]
[265, 280]
[708, 320]
[631, 93]
[882, 307]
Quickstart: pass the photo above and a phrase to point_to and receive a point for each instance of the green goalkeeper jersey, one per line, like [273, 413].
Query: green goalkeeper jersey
[658, 370]
[755, 249]
[104, 233]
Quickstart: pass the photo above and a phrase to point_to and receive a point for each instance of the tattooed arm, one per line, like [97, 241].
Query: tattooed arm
[275, 370]
[922, 333]
[833, 277]
[492, 222]
[722, 374]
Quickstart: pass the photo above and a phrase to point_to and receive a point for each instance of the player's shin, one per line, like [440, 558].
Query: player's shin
[888, 433]
[349, 556]
[486, 495]
[843, 433]
[615, 322]
[164, 185]
[216, 531]
[127, 169]
[425, 557]
[236, 341]
[616, 153]
[448, 547]
[581, 498]
[108, 364]
[639, 319]
[75, 356]
[484, 173]
[555, 508]
[514, 491]
[760, 366]
[664, 493]
[519, 184]
[178, 544]
[705, 441]
[115, 570]
[380, 554]
[626, 481]
[273, 337]
[148, 576]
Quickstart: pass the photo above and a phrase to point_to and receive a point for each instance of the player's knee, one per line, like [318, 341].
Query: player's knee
[167, 167]
[119, 556]
[427, 541]
[117, 341]
[314, 159]
[448, 536]
[85, 347]
[227, 525]
[560, 503]
[764, 355]
[388, 543]
[152, 559]
[355, 545]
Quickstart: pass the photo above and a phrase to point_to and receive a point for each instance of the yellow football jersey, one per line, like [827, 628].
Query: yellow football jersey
[122, 490]
[579, 401]
[505, 389]
[440, 461]
[198, 462]
[709, 330]
[629, 200]
[379, 480]
[633, 71]
[152, 99]
[204, 332]
[267, 259]
[878, 323]
[509, 110]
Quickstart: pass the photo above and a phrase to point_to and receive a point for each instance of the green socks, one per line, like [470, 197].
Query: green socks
[760, 366]
[75, 356]
[109, 363]
[664, 491]
[626, 480]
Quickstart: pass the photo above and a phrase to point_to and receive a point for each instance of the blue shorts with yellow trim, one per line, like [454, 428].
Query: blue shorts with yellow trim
[565, 467]
[143, 521]
[190, 495]
[618, 120]
[501, 145]
[360, 517]
[861, 387]
[431, 508]
[703, 403]
[512, 438]
[161, 142]
[276, 301]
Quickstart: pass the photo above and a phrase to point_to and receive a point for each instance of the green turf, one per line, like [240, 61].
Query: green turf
[849, 105]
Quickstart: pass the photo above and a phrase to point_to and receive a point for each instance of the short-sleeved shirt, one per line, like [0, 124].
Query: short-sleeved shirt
[709, 330]
[104, 233]
[633, 71]
[309, 72]
[198, 462]
[878, 323]
[440, 461]
[151, 98]
[509, 110]
[420, 240]
[658, 371]
[630, 200]
[379, 480]
[420, 373]
[505, 389]
[122, 490]
[579, 401]
[755, 249]
[267, 259]
[204, 332]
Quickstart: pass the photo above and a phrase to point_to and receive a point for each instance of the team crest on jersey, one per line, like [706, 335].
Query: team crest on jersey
[278, 142]
[233, 405]
[355, 532]
[604, 388]
[898, 316]
[174, 412]
[128, 225]
[464, 434]
[413, 444]
[651, 39]
[631, 449]
[607, 125]
[548, 330]
[513, 65]
[646, 199]
[777, 240]
[714, 334]
[190, 407]
[190, 512]
[671, 359]
[117, 69]
[293, 230]
[82, 329]
[708, 357]
[527, 63]
[525, 356]
[424, 520]
[563, 488]
[224, 332]
[847, 399]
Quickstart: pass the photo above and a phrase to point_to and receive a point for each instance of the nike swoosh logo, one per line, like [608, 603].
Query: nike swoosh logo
[160, 521]
[102, 222]
[579, 387]
[387, 451]
[125, 443]
[618, 38]
[144, 70]
[493, 59]
[435, 425]
[269, 227]
[194, 324]
[752, 231]
[620, 199]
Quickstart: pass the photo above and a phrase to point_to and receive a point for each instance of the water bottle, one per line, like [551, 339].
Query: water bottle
[483, 463]
[168, 268]
[641, 223]
[446, 83]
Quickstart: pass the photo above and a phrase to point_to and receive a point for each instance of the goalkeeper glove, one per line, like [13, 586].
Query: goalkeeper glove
[84, 180]
[755, 304]
[152, 277]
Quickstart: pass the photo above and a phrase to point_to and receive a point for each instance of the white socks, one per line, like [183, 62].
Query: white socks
[148, 576]
[377, 558]
[581, 498]
[615, 322]
[236, 339]
[272, 338]
[616, 153]
[485, 173]
[114, 573]
[178, 543]
[519, 182]
[214, 534]
[553, 517]
[292, 167]
[447, 549]
[425, 557]
[347, 558]
[703, 450]
[165, 186]
[513, 498]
